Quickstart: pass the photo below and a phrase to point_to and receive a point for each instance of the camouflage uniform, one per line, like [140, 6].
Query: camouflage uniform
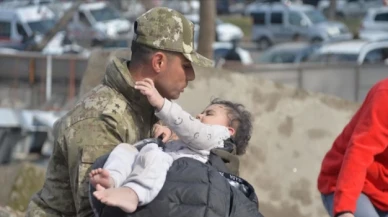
[112, 113]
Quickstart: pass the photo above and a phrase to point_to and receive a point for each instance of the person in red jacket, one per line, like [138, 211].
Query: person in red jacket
[353, 179]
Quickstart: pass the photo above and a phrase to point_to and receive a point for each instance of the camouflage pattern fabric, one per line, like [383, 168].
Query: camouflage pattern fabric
[166, 29]
[112, 113]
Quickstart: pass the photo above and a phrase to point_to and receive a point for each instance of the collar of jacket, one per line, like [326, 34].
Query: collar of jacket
[118, 77]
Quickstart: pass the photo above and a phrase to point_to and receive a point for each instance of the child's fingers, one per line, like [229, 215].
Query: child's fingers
[149, 81]
[146, 83]
[165, 138]
[141, 85]
[154, 128]
[141, 88]
[157, 133]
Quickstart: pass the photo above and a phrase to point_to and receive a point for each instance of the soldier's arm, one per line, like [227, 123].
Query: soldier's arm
[65, 192]
[55, 198]
[91, 140]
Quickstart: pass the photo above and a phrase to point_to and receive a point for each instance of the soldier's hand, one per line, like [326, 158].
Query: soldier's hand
[163, 131]
[147, 88]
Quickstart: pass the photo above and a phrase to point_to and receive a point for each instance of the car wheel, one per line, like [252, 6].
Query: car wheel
[340, 14]
[326, 12]
[296, 37]
[316, 40]
[217, 38]
[263, 43]
[96, 42]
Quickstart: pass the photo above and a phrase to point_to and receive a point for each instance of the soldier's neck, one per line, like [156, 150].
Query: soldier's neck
[138, 73]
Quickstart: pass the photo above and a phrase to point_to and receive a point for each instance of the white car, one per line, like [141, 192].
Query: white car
[185, 7]
[224, 31]
[374, 26]
[357, 51]
[350, 8]
[96, 22]
[21, 26]
[373, 35]
[222, 48]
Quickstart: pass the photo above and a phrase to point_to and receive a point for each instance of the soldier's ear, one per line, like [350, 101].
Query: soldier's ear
[159, 61]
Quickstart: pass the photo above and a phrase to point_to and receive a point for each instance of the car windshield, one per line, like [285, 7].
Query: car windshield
[41, 26]
[333, 57]
[315, 16]
[105, 14]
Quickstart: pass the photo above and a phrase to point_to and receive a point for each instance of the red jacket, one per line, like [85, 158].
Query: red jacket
[358, 160]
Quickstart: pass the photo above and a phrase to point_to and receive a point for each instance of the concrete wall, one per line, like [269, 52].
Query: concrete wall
[18, 183]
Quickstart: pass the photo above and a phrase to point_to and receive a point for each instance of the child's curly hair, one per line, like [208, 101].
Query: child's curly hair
[240, 120]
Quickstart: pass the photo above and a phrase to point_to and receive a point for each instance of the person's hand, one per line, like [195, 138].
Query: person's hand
[147, 88]
[163, 131]
[346, 215]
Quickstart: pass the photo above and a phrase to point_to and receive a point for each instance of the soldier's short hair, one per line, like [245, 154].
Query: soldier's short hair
[143, 53]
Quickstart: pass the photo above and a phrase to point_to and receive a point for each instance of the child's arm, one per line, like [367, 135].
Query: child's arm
[191, 131]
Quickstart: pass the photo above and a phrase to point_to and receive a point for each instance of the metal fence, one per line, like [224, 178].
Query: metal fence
[31, 80]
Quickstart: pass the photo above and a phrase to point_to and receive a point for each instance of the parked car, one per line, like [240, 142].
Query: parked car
[291, 52]
[221, 49]
[274, 23]
[18, 24]
[224, 31]
[350, 8]
[373, 35]
[185, 7]
[26, 2]
[251, 7]
[22, 26]
[375, 24]
[98, 21]
[357, 51]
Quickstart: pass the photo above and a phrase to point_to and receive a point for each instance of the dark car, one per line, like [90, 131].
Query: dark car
[293, 52]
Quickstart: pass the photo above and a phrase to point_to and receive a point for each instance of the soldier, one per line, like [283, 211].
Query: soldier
[114, 112]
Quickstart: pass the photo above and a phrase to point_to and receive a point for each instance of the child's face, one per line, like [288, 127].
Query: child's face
[215, 115]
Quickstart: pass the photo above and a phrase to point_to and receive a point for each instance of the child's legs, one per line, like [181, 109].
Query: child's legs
[364, 207]
[120, 162]
[149, 173]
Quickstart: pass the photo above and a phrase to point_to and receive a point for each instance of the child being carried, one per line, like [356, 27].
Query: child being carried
[132, 178]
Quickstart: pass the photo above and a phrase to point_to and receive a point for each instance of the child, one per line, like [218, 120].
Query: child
[131, 178]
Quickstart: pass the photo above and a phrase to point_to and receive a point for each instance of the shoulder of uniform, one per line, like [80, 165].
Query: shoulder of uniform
[101, 100]
[97, 98]
[104, 100]
[116, 106]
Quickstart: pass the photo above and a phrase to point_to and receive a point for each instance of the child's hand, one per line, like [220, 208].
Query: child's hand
[163, 131]
[148, 89]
